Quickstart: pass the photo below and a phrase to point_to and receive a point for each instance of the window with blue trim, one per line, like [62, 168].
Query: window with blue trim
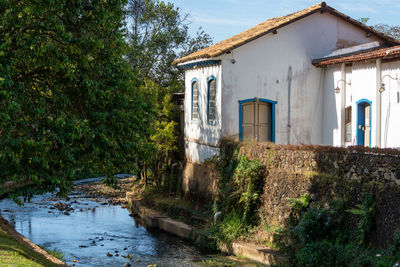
[195, 100]
[211, 108]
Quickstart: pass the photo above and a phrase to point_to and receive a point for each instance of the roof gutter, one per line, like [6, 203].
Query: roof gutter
[392, 50]
[199, 64]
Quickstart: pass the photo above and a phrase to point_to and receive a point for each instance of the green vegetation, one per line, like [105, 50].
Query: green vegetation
[56, 253]
[158, 35]
[86, 88]
[299, 204]
[324, 236]
[70, 103]
[13, 253]
[324, 228]
[240, 186]
[222, 261]
[389, 30]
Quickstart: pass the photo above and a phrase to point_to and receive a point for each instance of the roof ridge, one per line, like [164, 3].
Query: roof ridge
[320, 5]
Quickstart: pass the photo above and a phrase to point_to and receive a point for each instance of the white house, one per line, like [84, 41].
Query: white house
[276, 82]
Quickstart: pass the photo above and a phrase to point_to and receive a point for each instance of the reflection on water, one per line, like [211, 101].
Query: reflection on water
[95, 234]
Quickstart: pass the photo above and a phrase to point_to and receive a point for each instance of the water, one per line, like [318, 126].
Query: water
[94, 229]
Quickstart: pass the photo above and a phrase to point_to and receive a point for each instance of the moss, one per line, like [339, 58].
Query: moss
[271, 155]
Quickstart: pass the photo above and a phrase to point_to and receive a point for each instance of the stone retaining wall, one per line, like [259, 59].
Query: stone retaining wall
[353, 163]
[199, 182]
[325, 173]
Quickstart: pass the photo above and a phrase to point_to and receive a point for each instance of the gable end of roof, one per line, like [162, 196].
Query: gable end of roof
[271, 25]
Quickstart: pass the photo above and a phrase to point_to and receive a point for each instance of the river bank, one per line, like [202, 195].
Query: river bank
[17, 250]
[98, 190]
[91, 230]
[180, 218]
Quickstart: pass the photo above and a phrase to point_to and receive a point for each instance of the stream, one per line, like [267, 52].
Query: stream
[95, 233]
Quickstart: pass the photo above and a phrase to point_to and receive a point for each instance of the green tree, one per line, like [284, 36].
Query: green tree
[158, 34]
[389, 30]
[161, 143]
[67, 99]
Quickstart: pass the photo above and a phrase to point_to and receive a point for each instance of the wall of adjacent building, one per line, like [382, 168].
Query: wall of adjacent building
[390, 131]
[363, 78]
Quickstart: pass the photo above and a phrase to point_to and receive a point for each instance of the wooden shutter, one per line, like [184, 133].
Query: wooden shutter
[264, 122]
[367, 132]
[248, 121]
[211, 100]
[195, 100]
[348, 124]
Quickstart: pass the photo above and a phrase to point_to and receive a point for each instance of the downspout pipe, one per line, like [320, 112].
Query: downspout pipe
[289, 126]
[378, 102]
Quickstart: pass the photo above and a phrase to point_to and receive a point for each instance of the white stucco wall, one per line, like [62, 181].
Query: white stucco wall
[363, 86]
[390, 132]
[331, 120]
[261, 70]
[265, 68]
[201, 138]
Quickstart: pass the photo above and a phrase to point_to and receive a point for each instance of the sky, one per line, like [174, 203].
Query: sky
[224, 18]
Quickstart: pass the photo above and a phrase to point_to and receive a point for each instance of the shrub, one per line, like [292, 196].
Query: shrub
[366, 211]
[316, 224]
[248, 178]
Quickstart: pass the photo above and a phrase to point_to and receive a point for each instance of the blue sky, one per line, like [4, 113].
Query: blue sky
[225, 18]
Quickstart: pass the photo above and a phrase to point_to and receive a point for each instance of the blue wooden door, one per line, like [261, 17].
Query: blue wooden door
[364, 123]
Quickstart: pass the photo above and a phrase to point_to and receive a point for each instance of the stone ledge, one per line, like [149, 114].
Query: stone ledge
[155, 219]
[256, 253]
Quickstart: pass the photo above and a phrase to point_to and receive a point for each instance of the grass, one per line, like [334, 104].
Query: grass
[232, 261]
[12, 253]
[56, 253]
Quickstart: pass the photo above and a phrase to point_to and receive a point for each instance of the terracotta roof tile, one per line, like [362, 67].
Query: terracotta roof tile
[391, 52]
[269, 26]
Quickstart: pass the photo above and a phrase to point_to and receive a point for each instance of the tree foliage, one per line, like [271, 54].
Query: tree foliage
[389, 30]
[85, 86]
[67, 99]
[158, 34]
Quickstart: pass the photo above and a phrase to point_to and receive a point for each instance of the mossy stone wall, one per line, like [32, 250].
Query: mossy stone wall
[328, 173]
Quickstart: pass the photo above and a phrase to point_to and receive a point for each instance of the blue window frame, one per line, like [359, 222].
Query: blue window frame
[211, 99]
[195, 99]
[273, 103]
